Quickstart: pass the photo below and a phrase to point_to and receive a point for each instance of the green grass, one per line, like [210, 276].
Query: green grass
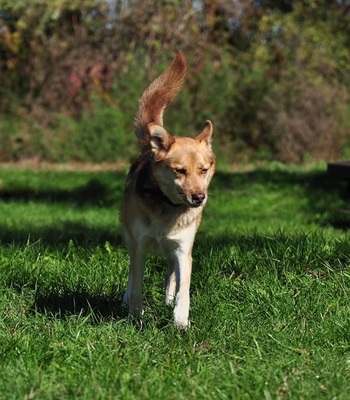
[270, 295]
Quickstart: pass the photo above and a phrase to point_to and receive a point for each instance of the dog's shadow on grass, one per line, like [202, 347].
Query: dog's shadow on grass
[96, 308]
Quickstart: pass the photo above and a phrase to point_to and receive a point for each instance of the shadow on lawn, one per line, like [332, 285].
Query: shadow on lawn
[101, 192]
[99, 308]
[104, 191]
[60, 234]
[327, 199]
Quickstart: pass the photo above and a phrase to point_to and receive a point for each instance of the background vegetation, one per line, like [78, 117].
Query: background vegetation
[272, 75]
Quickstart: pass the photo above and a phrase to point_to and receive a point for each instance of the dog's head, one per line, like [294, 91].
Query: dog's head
[183, 166]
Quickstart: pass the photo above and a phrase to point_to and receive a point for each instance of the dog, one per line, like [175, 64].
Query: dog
[164, 196]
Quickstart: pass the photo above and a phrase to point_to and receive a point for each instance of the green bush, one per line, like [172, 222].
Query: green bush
[102, 135]
[271, 76]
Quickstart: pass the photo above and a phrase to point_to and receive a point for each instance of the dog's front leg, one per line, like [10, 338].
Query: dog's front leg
[183, 269]
[133, 296]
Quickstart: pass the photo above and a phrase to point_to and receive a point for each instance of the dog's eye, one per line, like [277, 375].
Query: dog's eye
[180, 171]
[204, 171]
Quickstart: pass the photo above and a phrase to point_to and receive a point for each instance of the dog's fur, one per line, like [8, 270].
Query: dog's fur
[165, 193]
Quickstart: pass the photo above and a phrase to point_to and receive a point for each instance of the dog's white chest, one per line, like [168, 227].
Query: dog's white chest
[159, 238]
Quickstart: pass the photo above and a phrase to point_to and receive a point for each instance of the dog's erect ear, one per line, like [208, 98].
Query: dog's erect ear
[160, 139]
[206, 134]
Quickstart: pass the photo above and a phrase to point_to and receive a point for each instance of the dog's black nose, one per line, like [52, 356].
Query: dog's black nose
[198, 198]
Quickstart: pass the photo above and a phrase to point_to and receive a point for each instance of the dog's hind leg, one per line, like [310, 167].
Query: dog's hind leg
[170, 289]
[133, 296]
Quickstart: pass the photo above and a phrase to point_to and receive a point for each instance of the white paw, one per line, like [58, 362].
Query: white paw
[181, 320]
[169, 298]
[170, 291]
[182, 324]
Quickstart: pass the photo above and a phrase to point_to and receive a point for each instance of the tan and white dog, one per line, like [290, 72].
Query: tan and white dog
[165, 192]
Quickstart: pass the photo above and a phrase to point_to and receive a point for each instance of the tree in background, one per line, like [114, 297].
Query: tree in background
[273, 76]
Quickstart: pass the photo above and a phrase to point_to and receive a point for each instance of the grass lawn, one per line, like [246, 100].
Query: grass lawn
[270, 294]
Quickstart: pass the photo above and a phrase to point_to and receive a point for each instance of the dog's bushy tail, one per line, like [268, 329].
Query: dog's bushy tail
[156, 97]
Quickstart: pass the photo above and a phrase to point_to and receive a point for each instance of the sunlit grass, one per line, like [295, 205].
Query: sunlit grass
[269, 296]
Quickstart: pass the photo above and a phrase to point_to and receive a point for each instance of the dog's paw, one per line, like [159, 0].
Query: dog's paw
[137, 322]
[125, 301]
[181, 320]
[182, 325]
[169, 299]
[170, 291]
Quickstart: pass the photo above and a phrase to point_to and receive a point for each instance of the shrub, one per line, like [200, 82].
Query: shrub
[102, 135]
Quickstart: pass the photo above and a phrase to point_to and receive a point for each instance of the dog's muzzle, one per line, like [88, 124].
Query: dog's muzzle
[197, 199]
